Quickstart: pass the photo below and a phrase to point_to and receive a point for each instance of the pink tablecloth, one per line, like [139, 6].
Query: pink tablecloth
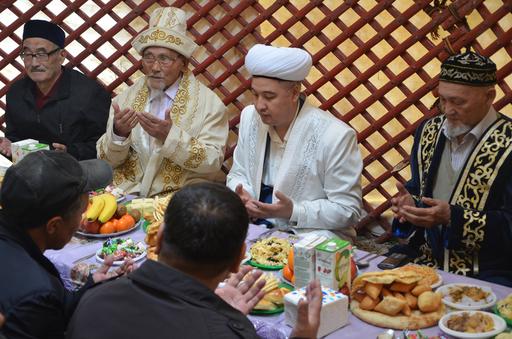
[361, 330]
[64, 260]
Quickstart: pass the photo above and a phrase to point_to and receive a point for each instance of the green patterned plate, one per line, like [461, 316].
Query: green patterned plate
[276, 310]
[507, 320]
[264, 267]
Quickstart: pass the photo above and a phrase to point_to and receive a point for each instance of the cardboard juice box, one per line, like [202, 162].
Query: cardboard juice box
[304, 259]
[333, 267]
[16, 151]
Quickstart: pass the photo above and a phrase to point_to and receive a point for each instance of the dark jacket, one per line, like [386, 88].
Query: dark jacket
[156, 301]
[75, 115]
[478, 240]
[33, 299]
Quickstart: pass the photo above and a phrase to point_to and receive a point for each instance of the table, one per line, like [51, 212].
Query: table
[79, 247]
[64, 260]
[357, 328]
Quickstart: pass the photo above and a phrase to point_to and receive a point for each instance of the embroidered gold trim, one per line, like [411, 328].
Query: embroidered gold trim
[179, 107]
[459, 263]
[140, 100]
[172, 174]
[197, 154]
[428, 141]
[159, 35]
[127, 170]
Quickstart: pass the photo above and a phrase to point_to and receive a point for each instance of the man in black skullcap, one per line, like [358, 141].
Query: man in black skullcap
[43, 198]
[55, 105]
[457, 207]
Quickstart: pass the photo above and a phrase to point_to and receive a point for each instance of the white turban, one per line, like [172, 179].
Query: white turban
[286, 63]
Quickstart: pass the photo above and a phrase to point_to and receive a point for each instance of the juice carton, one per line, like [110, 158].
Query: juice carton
[333, 267]
[16, 148]
[304, 258]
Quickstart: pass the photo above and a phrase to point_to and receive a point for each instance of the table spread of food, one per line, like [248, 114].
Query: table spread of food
[411, 301]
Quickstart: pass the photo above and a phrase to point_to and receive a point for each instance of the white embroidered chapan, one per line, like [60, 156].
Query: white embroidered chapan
[320, 169]
[286, 63]
[193, 150]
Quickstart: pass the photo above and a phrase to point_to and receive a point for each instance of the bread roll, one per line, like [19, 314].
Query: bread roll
[429, 301]
[386, 292]
[368, 303]
[420, 289]
[390, 306]
[401, 287]
[373, 290]
[412, 301]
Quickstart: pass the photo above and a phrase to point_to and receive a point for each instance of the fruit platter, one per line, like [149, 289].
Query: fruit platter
[121, 249]
[105, 217]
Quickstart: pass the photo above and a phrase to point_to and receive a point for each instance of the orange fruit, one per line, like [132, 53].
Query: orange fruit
[287, 273]
[125, 223]
[107, 228]
[290, 258]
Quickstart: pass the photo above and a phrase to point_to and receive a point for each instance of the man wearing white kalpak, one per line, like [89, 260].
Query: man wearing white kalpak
[295, 165]
[167, 129]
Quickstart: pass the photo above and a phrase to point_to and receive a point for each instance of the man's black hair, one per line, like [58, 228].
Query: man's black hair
[205, 223]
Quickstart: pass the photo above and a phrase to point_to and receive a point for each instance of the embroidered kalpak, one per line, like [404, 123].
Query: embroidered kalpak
[470, 69]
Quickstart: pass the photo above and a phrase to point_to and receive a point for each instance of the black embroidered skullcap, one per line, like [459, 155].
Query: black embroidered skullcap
[470, 69]
[44, 29]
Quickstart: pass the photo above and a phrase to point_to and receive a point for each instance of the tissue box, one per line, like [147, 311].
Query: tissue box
[4, 165]
[334, 312]
[21, 148]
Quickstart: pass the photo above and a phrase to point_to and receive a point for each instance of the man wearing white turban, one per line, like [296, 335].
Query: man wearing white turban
[167, 129]
[295, 165]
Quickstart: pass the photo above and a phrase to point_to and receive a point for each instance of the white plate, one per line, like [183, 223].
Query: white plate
[111, 235]
[246, 258]
[439, 281]
[499, 326]
[467, 303]
[119, 262]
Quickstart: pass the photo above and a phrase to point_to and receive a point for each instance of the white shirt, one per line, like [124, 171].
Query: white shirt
[277, 146]
[460, 151]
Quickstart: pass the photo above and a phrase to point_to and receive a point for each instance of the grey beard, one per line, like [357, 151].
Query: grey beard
[454, 130]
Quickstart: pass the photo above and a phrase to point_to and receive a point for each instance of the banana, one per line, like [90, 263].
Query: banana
[97, 204]
[109, 209]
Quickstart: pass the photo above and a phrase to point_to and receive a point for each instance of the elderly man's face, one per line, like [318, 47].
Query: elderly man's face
[162, 66]
[42, 71]
[275, 101]
[464, 106]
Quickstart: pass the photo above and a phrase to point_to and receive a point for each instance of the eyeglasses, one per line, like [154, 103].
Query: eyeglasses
[40, 56]
[163, 60]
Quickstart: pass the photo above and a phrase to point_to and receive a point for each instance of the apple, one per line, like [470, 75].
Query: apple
[92, 227]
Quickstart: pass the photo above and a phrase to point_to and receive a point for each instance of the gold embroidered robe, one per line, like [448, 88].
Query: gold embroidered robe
[193, 150]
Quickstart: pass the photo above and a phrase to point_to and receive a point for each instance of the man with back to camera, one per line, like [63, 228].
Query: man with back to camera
[294, 163]
[457, 207]
[55, 105]
[167, 129]
[201, 244]
[43, 198]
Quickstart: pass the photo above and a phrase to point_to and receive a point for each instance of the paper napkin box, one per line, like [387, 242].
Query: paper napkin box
[33, 148]
[4, 165]
[17, 151]
[334, 313]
